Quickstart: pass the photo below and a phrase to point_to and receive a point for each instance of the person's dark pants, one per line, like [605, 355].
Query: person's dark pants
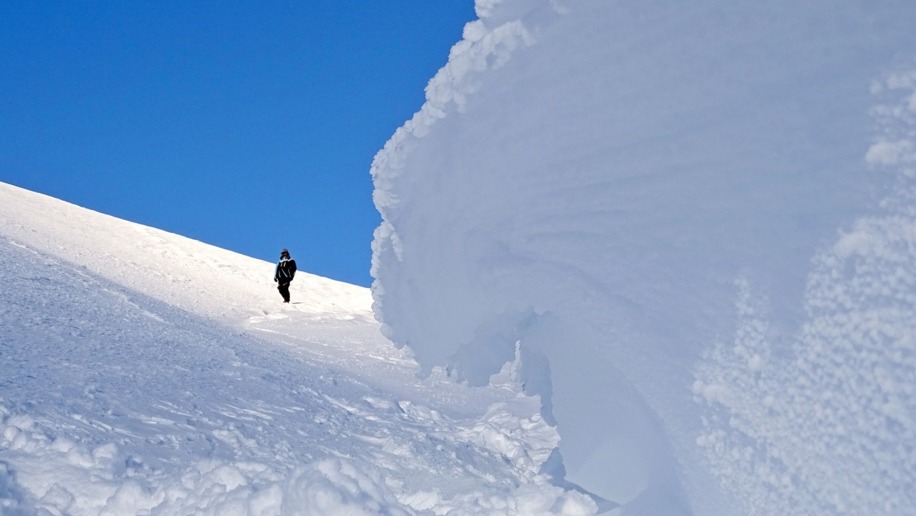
[284, 291]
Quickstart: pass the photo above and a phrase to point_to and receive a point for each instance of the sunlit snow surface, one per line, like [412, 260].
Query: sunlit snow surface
[145, 373]
[695, 220]
[687, 228]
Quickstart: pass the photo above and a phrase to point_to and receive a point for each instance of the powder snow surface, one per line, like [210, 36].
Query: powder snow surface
[696, 222]
[145, 373]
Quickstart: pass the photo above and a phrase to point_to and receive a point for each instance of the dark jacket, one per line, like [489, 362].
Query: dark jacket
[286, 269]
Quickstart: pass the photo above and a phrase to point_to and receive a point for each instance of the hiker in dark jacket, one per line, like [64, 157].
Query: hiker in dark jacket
[286, 269]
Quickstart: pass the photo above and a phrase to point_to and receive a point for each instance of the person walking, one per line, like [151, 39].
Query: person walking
[286, 269]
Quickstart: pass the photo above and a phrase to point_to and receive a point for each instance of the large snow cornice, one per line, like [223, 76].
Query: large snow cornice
[612, 185]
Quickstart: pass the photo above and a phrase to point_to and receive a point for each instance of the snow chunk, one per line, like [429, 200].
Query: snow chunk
[334, 486]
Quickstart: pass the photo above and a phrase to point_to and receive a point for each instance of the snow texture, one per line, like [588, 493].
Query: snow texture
[835, 415]
[145, 373]
[678, 217]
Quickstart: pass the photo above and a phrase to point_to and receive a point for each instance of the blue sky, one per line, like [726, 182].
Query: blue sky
[247, 125]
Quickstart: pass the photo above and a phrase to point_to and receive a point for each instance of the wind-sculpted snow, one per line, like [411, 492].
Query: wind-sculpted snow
[830, 413]
[593, 187]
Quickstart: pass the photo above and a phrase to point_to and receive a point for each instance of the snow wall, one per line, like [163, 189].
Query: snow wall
[696, 222]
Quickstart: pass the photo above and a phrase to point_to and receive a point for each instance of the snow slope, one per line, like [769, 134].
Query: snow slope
[696, 221]
[145, 373]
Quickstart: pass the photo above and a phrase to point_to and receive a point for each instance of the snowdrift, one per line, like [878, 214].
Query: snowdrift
[696, 224]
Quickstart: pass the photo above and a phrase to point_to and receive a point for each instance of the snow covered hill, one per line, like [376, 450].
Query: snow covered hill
[696, 222]
[145, 373]
[670, 247]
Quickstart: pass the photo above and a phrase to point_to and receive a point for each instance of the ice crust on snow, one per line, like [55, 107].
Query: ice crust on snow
[678, 214]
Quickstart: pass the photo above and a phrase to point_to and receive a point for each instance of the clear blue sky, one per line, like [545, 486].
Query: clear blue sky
[247, 125]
